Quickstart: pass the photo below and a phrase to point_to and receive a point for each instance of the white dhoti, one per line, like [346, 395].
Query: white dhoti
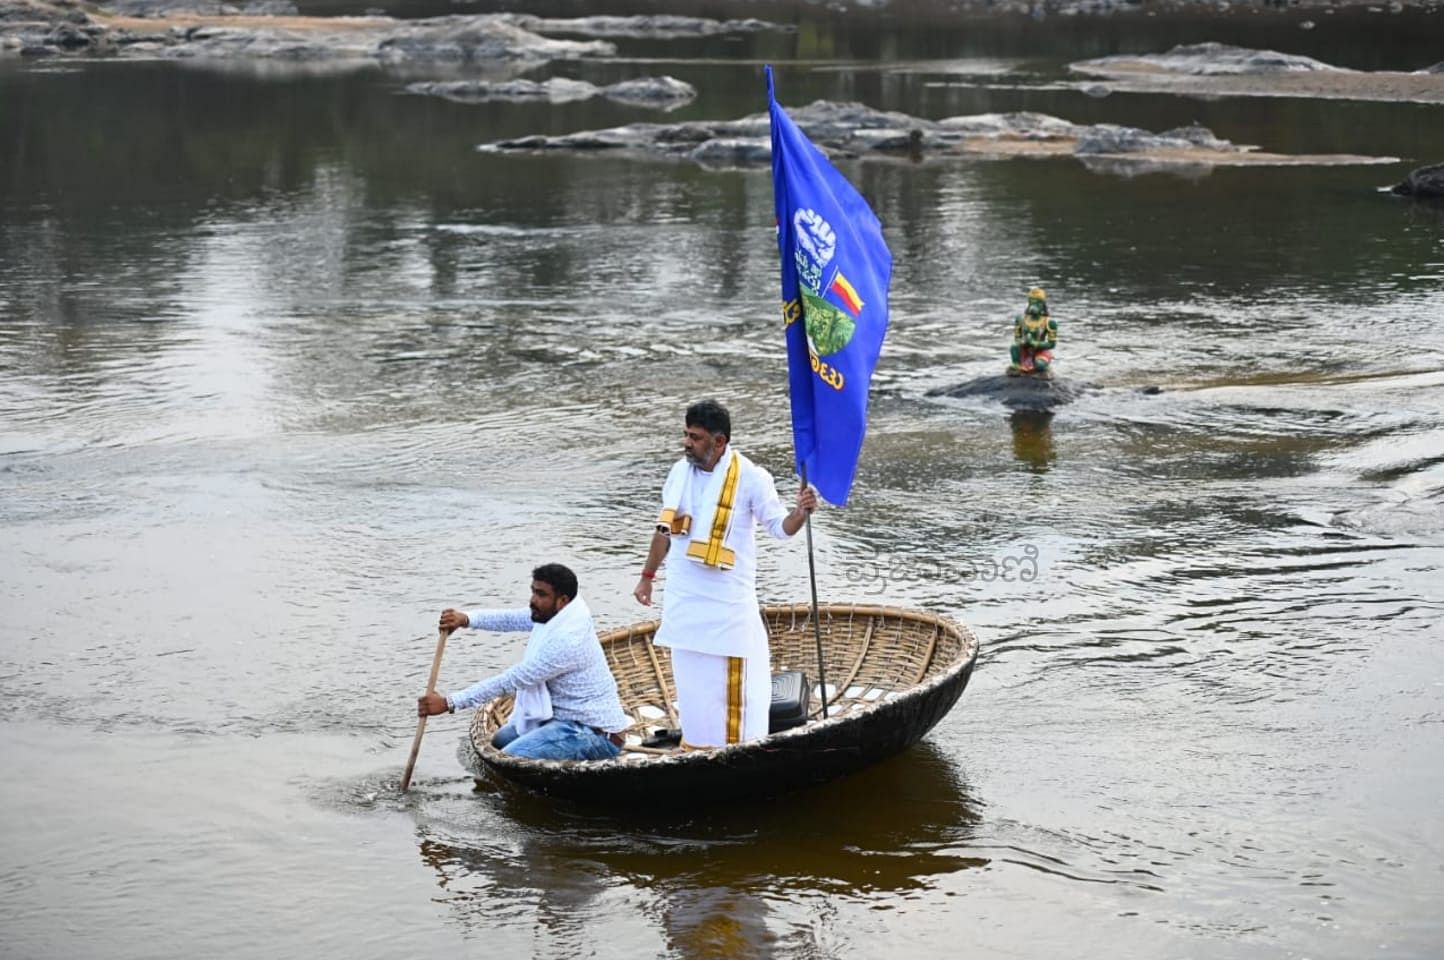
[721, 700]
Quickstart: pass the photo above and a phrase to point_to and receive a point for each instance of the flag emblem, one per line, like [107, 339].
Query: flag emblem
[829, 330]
[846, 294]
[816, 236]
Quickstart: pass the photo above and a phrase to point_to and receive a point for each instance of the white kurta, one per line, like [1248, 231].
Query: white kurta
[563, 674]
[720, 657]
[711, 609]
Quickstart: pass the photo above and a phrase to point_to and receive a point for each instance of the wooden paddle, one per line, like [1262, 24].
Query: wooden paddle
[421, 721]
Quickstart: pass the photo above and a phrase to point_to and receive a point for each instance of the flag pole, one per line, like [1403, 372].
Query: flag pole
[812, 576]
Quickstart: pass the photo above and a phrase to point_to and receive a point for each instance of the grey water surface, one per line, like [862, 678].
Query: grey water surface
[286, 366]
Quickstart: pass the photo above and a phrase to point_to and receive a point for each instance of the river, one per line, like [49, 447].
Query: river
[286, 366]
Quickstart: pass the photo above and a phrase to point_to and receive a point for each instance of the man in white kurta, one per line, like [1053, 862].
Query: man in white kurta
[713, 500]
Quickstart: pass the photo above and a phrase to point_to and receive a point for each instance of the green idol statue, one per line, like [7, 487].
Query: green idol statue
[1035, 334]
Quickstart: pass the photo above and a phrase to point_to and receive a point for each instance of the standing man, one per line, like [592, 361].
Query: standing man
[566, 706]
[713, 498]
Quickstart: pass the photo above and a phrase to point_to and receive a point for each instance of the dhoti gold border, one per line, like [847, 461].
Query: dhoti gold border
[734, 700]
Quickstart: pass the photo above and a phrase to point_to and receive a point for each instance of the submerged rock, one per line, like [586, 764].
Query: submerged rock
[1020, 393]
[1423, 182]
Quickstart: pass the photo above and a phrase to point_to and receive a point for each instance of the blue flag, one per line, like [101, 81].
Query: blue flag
[835, 273]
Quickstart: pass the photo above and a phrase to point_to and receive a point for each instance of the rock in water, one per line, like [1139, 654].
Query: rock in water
[1020, 393]
[1423, 182]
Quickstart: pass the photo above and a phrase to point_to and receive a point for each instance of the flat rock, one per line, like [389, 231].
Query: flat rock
[653, 26]
[1205, 60]
[852, 130]
[162, 8]
[662, 93]
[1217, 69]
[1019, 393]
[271, 30]
[1423, 182]
[58, 27]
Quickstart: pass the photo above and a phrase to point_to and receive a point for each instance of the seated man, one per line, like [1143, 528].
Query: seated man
[566, 698]
[1035, 335]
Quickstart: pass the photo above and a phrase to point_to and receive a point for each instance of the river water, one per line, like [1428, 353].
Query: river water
[286, 366]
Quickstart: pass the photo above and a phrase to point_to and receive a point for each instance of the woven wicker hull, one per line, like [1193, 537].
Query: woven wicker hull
[895, 674]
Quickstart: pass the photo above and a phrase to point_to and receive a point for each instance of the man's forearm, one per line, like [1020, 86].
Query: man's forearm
[502, 621]
[656, 552]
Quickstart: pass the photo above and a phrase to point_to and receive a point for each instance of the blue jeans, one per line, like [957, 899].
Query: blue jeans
[556, 740]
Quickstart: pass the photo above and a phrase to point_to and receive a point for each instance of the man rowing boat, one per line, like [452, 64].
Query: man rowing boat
[567, 706]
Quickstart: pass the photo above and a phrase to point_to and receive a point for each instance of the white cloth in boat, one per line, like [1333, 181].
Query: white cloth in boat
[712, 607]
[562, 674]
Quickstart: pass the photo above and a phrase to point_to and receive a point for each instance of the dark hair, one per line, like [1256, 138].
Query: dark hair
[562, 580]
[710, 416]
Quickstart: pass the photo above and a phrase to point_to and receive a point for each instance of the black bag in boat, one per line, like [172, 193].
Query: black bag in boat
[790, 695]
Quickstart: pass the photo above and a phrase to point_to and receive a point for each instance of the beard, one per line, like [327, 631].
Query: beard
[699, 458]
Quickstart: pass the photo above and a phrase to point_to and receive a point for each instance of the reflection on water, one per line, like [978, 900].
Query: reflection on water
[718, 922]
[1033, 439]
[710, 877]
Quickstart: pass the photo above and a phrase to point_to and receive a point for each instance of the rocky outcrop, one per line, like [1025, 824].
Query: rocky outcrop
[662, 93]
[211, 8]
[851, 130]
[1109, 140]
[477, 39]
[659, 26]
[270, 30]
[1205, 60]
[57, 27]
[555, 90]
[1423, 182]
[1216, 69]
[1019, 393]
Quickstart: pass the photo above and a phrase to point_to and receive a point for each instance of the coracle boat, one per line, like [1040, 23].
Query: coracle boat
[891, 675]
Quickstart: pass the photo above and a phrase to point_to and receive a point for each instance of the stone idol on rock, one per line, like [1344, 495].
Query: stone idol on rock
[1029, 382]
